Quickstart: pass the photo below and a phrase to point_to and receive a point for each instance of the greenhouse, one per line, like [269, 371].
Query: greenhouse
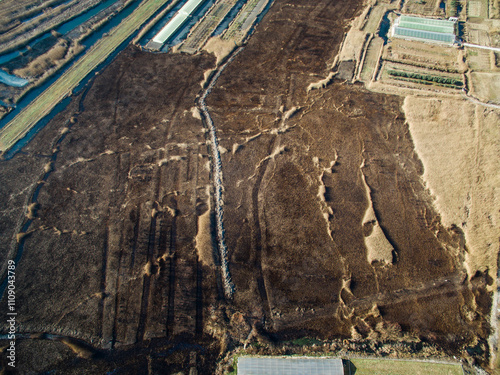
[424, 29]
[289, 366]
[175, 23]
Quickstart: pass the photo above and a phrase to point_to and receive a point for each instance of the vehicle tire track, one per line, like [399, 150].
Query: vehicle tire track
[171, 279]
[143, 315]
[257, 233]
[146, 286]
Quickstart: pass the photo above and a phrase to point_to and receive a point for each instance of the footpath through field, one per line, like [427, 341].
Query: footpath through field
[20, 125]
[482, 47]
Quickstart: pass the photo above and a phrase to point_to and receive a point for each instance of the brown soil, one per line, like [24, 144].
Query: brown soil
[113, 257]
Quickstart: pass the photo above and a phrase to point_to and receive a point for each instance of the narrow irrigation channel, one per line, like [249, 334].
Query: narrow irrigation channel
[217, 177]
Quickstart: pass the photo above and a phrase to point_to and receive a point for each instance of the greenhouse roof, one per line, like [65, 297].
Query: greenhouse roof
[289, 366]
[425, 29]
[177, 21]
[427, 24]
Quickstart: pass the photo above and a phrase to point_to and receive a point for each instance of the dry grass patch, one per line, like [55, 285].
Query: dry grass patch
[486, 86]
[400, 367]
[44, 62]
[459, 145]
[478, 59]
[379, 249]
[374, 19]
[353, 45]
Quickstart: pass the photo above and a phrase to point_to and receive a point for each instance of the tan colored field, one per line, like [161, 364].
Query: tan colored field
[477, 9]
[458, 143]
[486, 86]
[397, 367]
[433, 56]
[481, 31]
[424, 8]
[478, 59]
[379, 249]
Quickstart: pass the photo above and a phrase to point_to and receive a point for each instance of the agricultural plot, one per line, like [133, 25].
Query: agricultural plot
[485, 86]
[202, 31]
[371, 59]
[424, 55]
[478, 59]
[476, 34]
[477, 9]
[414, 77]
[398, 367]
[424, 8]
[244, 20]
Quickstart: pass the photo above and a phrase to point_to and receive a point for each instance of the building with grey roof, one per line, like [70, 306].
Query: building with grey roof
[289, 366]
[425, 29]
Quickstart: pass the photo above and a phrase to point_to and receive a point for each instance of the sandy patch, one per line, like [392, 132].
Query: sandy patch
[220, 48]
[204, 245]
[378, 247]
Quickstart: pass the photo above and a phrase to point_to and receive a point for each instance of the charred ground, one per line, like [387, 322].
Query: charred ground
[121, 179]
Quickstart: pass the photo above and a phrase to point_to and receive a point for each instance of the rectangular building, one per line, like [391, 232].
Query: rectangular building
[176, 22]
[289, 366]
[424, 29]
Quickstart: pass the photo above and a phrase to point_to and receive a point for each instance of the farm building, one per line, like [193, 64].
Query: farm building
[289, 366]
[180, 18]
[424, 29]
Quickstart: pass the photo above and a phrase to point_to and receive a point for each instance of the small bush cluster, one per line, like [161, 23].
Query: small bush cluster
[425, 77]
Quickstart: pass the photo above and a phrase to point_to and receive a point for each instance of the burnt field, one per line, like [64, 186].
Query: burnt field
[331, 233]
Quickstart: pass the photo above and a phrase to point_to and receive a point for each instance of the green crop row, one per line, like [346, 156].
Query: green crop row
[425, 77]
